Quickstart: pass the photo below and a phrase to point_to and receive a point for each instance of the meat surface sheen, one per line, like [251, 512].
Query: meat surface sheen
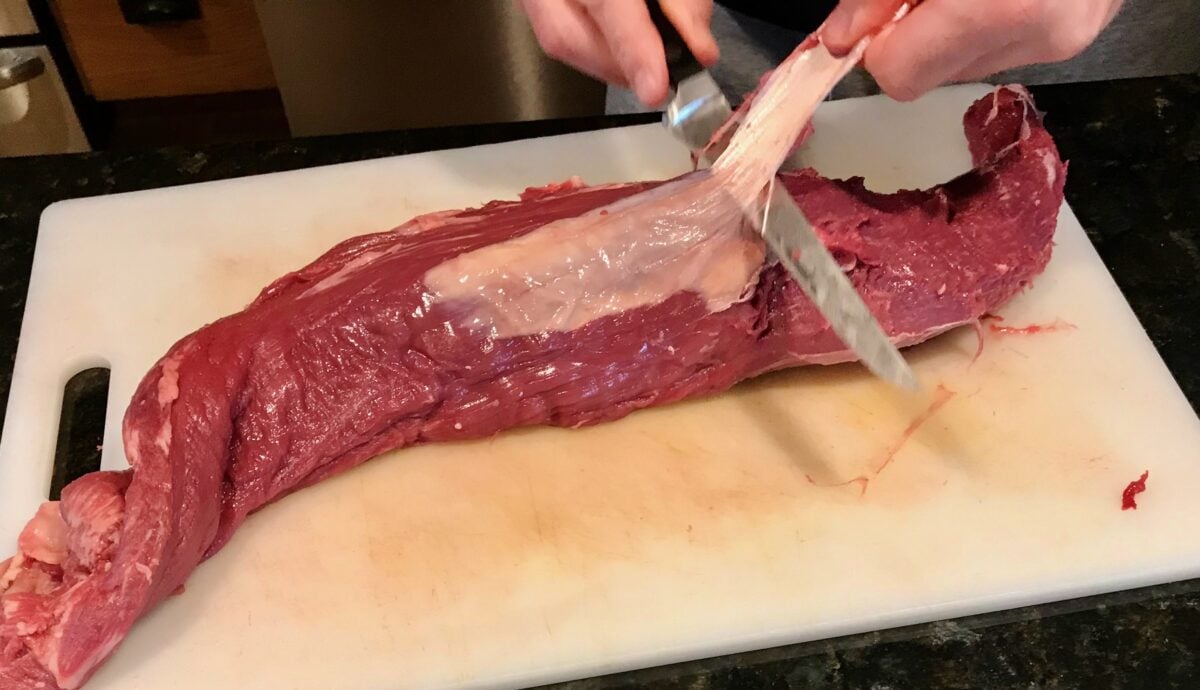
[354, 355]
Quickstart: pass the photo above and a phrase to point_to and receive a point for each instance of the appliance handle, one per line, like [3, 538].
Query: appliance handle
[18, 67]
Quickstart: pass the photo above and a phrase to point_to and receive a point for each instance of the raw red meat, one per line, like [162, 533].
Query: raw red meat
[351, 356]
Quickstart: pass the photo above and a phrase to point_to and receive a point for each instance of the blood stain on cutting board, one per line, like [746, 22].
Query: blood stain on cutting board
[994, 322]
[866, 420]
[983, 334]
[981, 437]
[602, 504]
[941, 396]
[233, 281]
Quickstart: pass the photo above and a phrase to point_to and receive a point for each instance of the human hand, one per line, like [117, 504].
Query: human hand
[615, 40]
[944, 41]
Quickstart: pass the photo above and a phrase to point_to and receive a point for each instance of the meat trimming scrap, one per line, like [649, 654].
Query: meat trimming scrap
[572, 306]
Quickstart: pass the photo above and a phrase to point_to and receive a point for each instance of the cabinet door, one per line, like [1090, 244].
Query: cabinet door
[220, 51]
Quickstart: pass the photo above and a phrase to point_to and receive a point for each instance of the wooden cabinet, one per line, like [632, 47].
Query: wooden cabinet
[221, 51]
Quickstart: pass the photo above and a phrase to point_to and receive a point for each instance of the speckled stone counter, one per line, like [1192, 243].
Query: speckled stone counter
[1134, 182]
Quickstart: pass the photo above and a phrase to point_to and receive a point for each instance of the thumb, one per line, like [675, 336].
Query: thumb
[853, 19]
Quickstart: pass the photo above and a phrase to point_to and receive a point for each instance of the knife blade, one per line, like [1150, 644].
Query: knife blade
[696, 110]
[792, 239]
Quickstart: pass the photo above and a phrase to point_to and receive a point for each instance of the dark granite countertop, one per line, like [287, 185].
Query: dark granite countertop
[1134, 182]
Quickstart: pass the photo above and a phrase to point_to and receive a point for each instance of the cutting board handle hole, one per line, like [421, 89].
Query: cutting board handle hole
[80, 428]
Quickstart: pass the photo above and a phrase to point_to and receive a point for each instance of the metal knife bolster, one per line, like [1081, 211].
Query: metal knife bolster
[696, 110]
[697, 107]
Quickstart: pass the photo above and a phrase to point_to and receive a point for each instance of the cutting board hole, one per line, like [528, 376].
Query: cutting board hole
[80, 428]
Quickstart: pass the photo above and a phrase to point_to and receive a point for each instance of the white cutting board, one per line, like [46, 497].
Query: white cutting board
[676, 533]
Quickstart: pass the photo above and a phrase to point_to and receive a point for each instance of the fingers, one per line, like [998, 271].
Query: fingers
[939, 41]
[615, 40]
[959, 40]
[635, 45]
[568, 34]
[930, 46]
[853, 19]
[1050, 42]
[693, 19]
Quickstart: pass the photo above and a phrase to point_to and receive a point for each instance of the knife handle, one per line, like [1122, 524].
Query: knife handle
[681, 64]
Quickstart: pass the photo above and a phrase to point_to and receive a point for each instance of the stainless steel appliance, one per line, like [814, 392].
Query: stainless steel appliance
[361, 65]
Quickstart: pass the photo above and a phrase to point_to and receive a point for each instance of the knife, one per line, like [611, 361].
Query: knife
[696, 110]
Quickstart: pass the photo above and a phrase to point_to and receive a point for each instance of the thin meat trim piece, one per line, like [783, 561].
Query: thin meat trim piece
[378, 345]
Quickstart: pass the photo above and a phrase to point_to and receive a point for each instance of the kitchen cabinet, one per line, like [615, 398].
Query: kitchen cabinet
[118, 58]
